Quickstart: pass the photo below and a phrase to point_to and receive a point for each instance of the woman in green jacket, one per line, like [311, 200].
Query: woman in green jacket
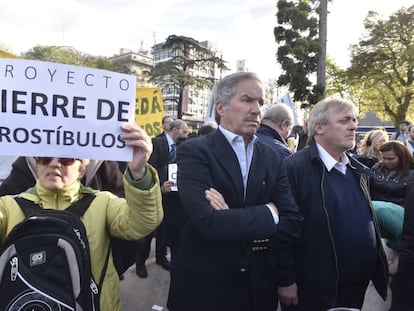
[58, 186]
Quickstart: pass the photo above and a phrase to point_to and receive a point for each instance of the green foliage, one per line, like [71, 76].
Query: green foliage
[383, 62]
[66, 55]
[297, 37]
[189, 65]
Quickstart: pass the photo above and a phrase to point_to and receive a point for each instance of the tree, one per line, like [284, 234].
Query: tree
[383, 62]
[185, 68]
[339, 83]
[66, 55]
[301, 52]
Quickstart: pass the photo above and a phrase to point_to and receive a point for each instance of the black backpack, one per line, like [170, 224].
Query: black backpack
[45, 262]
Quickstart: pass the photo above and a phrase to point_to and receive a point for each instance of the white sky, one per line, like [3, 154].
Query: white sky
[241, 29]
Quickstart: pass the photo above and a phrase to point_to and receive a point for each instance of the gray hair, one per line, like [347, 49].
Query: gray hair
[320, 115]
[278, 113]
[227, 88]
[176, 124]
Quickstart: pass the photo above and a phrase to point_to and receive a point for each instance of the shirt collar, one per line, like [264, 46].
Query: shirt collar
[231, 137]
[330, 162]
[169, 139]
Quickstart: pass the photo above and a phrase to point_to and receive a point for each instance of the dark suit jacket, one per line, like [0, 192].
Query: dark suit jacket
[161, 153]
[217, 264]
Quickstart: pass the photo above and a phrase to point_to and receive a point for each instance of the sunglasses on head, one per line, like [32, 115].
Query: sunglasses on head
[63, 161]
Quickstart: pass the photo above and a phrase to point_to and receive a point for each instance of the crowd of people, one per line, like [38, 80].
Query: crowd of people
[262, 212]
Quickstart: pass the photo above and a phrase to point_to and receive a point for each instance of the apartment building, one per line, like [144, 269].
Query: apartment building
[136, 63]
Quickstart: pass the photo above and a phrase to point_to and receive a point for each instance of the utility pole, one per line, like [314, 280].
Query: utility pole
[323, 17]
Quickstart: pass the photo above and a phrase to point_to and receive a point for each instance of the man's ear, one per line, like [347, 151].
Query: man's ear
[319, 128]
[220, 108]
[286, 123]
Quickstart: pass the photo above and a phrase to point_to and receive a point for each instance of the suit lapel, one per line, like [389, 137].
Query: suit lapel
[257, 174]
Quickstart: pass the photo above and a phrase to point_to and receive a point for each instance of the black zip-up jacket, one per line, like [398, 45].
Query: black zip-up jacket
[316, 263]
[402, 284]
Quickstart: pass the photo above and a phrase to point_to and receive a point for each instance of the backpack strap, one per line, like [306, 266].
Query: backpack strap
[78, 208]
[28, 207]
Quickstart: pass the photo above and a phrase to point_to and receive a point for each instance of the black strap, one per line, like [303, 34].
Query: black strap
[78, 208]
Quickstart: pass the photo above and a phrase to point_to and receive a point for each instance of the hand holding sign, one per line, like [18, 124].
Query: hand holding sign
[136, 137]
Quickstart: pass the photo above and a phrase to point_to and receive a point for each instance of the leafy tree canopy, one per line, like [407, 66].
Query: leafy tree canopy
[297, 37]
[66, 55]
[383, 65]
[190, 64]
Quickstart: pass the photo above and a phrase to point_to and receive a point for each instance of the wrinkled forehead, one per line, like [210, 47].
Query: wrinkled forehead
[343, 110]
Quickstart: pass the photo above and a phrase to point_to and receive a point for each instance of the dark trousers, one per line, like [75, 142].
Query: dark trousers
[350, 295]
[144, 245]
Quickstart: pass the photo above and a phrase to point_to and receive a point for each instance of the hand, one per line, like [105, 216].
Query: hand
[136, 137]
[215, 199]
[166, 186]
[288, 295]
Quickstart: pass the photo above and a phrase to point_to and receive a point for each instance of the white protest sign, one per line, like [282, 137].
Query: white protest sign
[172, 175]
[50, 109]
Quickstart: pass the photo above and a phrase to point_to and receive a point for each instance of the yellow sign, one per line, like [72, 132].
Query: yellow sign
[5, 54]
[149, 110]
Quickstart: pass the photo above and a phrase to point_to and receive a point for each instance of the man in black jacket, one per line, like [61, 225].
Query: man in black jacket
[340, 249]
[402, 284]
[162, 155]
[235, 192]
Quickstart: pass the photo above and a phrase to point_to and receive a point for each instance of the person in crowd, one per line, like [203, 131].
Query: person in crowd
[357, 146]
[6, 163]
[369, 152]
[331, 190]
[163, 154]
[166, 124]
[402, 133]
[293, 138]
[99, 175]
[275, 127]
[402, 285]
[206, 128]
[58, 185]
[175, 216]
[410, 140]
[390, 179]
[303, 137]
[235, 192]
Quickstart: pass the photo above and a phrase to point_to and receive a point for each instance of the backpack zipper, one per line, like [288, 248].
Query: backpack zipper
[15, 273]
[94, 287]
[14, 269]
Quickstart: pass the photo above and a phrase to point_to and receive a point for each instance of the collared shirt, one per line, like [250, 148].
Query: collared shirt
[170, 141]
[330, 162]
[244, 156]
[245, 159]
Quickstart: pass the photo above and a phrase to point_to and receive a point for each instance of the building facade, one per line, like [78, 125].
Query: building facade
[194, 99]
[136, 63]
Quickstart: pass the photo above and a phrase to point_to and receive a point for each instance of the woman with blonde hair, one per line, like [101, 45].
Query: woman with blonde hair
[369, 152]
